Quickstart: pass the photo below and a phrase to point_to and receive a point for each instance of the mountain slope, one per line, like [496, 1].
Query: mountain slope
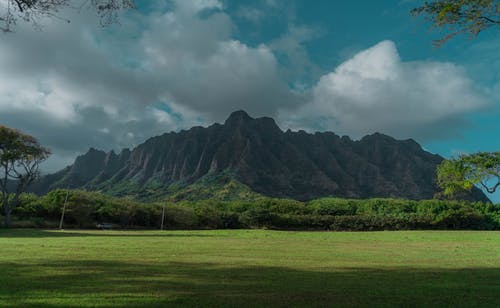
[257, 154]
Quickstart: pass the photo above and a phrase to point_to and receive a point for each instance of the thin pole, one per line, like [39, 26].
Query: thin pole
[162, 216]
[64, 210]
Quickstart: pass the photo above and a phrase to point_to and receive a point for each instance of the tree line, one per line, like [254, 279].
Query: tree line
[88, 209]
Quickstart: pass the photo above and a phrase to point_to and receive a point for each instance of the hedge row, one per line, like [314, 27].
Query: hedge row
[86, 209]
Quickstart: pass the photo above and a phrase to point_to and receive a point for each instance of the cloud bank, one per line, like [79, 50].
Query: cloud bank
[78, 86]
[376, 91]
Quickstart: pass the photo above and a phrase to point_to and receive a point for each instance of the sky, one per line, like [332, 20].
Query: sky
[351, 67]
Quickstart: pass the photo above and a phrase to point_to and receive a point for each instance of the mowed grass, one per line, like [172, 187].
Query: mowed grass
[249, 268]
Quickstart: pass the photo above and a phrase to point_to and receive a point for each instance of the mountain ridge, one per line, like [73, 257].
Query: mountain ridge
[256, 153]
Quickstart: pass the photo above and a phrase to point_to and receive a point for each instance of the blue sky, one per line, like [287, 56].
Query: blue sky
[344, 28]
[352, 67]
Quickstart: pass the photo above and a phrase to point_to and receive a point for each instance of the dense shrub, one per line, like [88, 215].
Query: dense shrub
[86, 209]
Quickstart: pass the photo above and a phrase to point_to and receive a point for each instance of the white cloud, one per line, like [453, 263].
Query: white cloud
[198, 65]
[376, 91]
[76, 85]
[234, 76]
[291, 47]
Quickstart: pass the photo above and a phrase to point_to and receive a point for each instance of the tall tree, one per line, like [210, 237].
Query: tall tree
[34, 10]
[465, 16]
[461, 174]
[460, 16]
[20, 158]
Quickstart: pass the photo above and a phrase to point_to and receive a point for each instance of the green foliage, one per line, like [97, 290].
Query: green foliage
[122, 188]
[333, 206]
[16, 146]
[461, 174]
[220, 186]
[451, 177]
[20, 157]
[86, 209]
[460, 16]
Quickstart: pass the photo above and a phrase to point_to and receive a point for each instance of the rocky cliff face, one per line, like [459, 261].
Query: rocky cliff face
[257, 153]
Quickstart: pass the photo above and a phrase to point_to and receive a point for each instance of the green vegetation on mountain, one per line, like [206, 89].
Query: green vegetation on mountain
[219, 186]
[222, 187]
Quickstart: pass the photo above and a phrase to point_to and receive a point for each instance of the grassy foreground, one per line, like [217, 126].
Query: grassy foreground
[249, 268]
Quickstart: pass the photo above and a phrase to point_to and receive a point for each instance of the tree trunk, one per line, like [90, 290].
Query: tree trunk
[11, 205]
[7, 211]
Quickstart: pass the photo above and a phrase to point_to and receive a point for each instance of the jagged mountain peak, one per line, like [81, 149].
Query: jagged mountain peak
[241, 119]
[239, 116]
[376, 136]
[258, 154]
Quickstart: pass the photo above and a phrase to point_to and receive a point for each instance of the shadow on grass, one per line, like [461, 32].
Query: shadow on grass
[120, 284]
[39, 233]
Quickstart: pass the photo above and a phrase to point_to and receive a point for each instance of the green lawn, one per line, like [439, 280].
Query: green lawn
[249, 268]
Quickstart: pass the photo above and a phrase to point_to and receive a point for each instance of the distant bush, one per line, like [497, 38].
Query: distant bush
[85, 209]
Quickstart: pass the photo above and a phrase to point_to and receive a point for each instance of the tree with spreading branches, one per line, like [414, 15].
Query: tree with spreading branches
[460, 174]
[460, 16]
[34, 10]
[20, 158]
[481, 169]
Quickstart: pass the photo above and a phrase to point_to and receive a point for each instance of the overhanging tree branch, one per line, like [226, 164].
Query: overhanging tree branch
[458, 174]
[490, 20]
[460, 16]
[33, 10]
[488, 188]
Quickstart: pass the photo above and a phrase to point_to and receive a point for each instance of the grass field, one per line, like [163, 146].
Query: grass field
[248, 268]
